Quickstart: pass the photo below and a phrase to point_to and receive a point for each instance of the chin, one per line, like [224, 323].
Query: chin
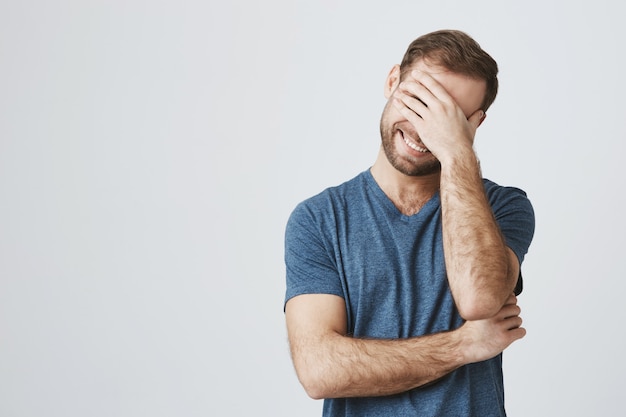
[408, 166]
[424, 169]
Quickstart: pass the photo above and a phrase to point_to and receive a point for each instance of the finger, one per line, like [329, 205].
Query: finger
[433, 86]
[413, 103]
[512, 323]
[516, 334]
[408, 113]
[417, 90]
[509, 310]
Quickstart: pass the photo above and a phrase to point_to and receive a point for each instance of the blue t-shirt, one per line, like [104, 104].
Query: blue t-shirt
[353, 242]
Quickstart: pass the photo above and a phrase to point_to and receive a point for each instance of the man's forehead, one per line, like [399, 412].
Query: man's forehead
[434, 69]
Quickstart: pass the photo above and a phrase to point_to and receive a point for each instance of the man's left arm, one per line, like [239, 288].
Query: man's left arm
[482, 270]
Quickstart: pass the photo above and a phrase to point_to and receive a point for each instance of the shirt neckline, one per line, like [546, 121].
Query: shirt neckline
[428, 207]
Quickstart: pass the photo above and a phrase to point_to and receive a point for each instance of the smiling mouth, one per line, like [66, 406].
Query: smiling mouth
[413, 145]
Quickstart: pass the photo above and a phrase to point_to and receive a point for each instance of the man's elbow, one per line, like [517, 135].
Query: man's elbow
[315, 392]
[313, 382]
[483, 301]
[478, 307]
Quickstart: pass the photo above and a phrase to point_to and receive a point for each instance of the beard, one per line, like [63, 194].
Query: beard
[404, 163]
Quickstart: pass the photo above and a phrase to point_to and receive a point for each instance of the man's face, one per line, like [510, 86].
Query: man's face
[401, 142]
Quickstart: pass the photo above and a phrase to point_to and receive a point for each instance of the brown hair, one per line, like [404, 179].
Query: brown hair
[457, 52]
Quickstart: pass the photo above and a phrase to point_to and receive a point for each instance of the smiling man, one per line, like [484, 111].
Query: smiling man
[402, 282]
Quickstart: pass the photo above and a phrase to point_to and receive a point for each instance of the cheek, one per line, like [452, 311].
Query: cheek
[391, 114]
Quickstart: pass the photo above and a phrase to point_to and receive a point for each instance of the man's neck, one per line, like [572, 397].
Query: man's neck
[407, 193]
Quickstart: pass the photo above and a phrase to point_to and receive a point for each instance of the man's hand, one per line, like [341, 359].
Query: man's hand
[331, 364]
[487, 338]
[436, 116]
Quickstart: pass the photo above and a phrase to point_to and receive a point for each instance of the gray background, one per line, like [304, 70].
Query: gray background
[151, 151]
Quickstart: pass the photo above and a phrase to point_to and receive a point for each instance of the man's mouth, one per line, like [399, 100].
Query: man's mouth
[413, 145]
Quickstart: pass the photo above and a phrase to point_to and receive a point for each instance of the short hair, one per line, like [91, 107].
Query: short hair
[457, 52]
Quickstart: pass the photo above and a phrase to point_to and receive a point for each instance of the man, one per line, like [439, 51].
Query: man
[401, 282]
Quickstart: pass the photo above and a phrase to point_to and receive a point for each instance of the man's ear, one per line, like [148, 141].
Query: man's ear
[482, 119]
[477, 118]
[392, 81]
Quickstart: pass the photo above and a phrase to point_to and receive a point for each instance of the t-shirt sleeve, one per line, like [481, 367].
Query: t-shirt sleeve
[516, 218]
[309, 260]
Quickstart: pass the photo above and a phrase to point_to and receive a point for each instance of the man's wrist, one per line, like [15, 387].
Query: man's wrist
[460, 157]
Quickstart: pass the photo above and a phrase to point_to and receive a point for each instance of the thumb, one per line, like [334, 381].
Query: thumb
[477, 118]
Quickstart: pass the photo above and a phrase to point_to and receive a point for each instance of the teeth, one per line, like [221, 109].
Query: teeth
[414, 146]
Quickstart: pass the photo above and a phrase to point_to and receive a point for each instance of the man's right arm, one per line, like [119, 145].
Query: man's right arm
[332, 364]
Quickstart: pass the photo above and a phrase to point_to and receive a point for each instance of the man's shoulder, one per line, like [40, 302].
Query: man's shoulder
[337, 193]
[496, 191]
[512, 203]
[323, 209]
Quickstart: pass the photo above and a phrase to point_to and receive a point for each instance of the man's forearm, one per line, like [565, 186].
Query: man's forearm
[331, 364]
[350, 367]
[477, 260]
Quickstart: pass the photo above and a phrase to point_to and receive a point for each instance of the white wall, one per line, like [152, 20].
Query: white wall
[150, 153]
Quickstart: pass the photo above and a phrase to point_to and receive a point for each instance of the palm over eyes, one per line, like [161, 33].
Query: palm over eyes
[438, 119]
